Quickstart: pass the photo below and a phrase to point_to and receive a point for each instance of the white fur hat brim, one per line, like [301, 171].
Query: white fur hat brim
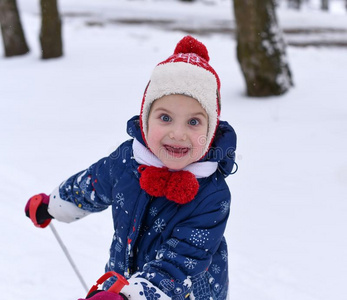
[186, 79]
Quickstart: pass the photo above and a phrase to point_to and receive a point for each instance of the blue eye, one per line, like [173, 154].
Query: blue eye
[165, 118]
[194, 122]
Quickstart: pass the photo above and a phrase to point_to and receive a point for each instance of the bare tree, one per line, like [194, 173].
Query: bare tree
[11, 29]
[261, 48]
[324, 4]
[50, 35]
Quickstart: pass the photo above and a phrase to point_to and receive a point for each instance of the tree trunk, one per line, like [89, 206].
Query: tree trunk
[325, 4]
[50, 35]
[294, 4]
[11, 29]
[261, 49]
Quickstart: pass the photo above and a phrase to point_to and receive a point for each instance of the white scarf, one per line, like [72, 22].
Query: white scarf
[143, 156]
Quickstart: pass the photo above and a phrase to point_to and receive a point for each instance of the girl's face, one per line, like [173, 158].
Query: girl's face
[177, 130]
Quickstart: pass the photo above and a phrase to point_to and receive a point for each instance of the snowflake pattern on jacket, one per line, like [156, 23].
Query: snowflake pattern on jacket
[179, 249]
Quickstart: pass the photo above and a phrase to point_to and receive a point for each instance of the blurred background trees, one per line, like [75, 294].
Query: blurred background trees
[325, 4]
[294, 3]
[297, 4]
[50, 35]
[11, 29]
[261, 50]
[13, 34]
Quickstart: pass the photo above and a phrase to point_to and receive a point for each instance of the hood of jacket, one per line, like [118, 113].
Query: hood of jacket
[222, 149]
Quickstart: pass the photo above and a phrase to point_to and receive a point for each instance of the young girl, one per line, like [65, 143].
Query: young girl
[170, 202]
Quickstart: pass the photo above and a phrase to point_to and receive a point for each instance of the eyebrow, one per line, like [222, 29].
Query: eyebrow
[169, 112]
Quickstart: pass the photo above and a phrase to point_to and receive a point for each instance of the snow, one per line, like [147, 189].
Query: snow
[287, 229]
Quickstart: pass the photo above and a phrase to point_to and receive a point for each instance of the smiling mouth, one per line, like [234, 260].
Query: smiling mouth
[176, 151]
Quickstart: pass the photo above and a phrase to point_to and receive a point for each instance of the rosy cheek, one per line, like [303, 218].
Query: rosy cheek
[153, 139]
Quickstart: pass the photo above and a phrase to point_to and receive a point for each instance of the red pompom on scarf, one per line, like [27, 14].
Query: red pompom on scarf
[180, 186]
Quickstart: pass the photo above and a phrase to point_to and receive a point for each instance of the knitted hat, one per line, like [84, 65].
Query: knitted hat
[186, 72]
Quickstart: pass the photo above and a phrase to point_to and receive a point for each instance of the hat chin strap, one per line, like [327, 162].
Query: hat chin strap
[144, 156]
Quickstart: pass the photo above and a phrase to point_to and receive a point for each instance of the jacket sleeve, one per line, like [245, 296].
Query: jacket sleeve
[90, 190]
[187, 255]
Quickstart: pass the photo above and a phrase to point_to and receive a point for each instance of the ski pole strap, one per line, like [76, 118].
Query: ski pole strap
[35, 202]
[115, 288]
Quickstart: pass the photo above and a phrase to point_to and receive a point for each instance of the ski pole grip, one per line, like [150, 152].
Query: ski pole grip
[35, 202]
[115, 288]
[119, 284]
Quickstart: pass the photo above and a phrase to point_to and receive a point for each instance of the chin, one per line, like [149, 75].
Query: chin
[174, 165]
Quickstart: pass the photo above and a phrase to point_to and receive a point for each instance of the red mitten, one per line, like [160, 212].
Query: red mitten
[37, 210]
[113, 292]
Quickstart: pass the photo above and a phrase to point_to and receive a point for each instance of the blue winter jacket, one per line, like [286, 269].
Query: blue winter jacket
[166, 242]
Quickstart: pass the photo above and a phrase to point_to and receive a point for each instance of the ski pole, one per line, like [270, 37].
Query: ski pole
[68, 256]
[35, 202]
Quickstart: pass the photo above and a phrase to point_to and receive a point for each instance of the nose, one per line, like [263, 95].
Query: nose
[178, 133]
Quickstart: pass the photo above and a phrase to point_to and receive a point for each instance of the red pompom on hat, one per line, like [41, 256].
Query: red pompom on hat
[186, 72]
[190, 45]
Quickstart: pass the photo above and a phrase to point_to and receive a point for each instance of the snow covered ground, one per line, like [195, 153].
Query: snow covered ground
[287, 230]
